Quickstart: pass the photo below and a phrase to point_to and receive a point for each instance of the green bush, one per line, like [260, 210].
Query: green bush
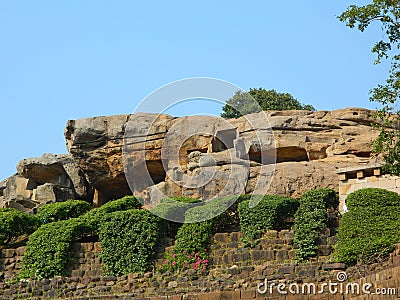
[371, 227]
[95, 217]
[270, 213]
[191, 247]
[7, 209]
[372, 199]
[223, 212]
[48, 249]
[62, 210]
[182, 199]
[311, 218]
[14, 223]
[193, 237]
[173, 209]
[128, 240]
[125, 203]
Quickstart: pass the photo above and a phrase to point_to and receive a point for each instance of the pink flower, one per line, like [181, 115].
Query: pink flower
[205, 261]
[174, 263]
[166, 261]
[205, 250]
[174, 255]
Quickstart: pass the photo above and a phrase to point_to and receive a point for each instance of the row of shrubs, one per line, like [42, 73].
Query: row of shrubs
[272, 212]
[129, 235]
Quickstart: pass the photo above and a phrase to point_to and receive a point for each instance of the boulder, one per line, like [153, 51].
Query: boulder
[3, 186]
[18, 193]
[59, 170]
[45, 179]
[49, 192]
[19, 188]
[45, 169]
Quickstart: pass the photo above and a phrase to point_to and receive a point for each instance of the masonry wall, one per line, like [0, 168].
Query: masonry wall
[234, 274]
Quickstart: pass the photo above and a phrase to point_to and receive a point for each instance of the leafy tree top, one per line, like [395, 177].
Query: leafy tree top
[259, 99]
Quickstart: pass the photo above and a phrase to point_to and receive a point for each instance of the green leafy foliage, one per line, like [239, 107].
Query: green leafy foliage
[311, 218]
[259, 99]
[174, 208]
[191, 247]
[128, 240]
[371, 227]
[14, 223]
[223, 212]
[6, 209]
[193, 237]
[62, 210]
[270, 213]
[125, 203]
[95, 217]
[387, 14]
[48, 249]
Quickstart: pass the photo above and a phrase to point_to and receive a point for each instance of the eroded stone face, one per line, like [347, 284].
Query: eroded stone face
[309, 146]
[45, 179]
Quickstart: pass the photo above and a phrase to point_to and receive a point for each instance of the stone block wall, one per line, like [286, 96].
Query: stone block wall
[85, 261]
[274, 247]
[235, 274]
[10, 262]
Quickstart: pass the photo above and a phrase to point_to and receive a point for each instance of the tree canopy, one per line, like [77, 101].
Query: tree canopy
[387, 14]
[255, 100]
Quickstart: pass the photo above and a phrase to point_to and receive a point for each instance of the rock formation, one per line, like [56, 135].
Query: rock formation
[308, 148]
[45, 179]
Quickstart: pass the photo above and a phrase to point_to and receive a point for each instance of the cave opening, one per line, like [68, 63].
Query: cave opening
[156, 171]
[279, 155]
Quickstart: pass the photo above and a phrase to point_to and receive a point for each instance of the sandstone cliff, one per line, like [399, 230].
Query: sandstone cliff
[308, 148]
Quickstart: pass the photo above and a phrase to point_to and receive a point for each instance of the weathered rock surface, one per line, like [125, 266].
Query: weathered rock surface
[45, 179]
[96, 146]
[296, 178]
[3, 186]
[309, 147]
[196, 156]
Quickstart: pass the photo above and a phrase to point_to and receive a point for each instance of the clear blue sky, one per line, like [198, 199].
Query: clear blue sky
[63, 60]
